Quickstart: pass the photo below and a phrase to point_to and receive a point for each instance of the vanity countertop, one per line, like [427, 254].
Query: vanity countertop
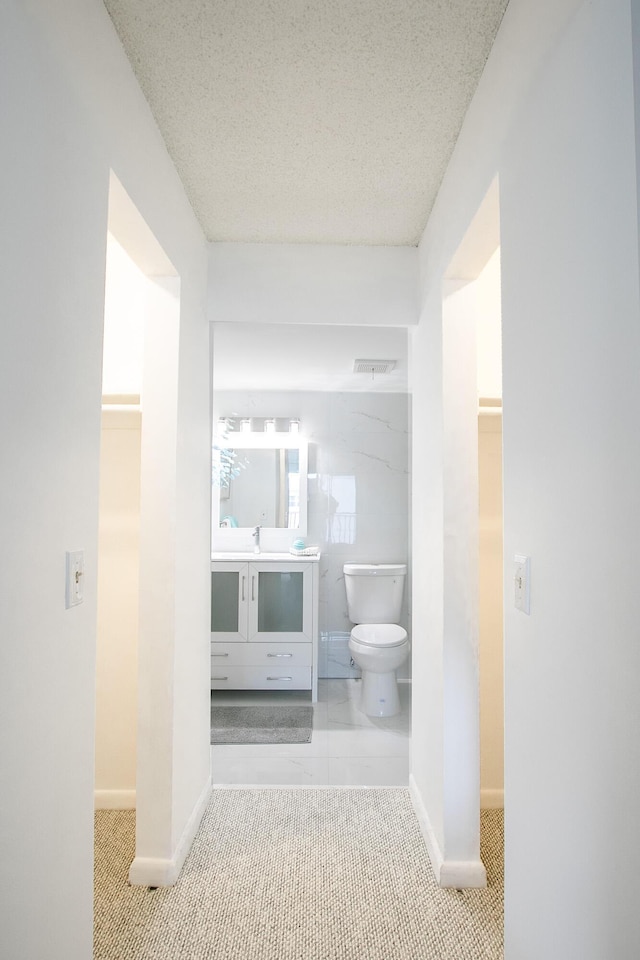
[263, 556]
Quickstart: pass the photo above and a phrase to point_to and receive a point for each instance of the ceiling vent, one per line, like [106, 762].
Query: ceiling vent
[373, 366]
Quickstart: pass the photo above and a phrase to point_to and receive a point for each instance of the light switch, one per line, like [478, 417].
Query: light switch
[522, 583]
[75, 578]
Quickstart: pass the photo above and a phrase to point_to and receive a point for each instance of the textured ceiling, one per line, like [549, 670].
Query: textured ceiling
[320, 121]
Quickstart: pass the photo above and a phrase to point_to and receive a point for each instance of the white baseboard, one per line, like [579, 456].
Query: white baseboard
[491, 799]
[449, 873]
[463, 874]
[114, 799]
[433, 847]
[163, 872]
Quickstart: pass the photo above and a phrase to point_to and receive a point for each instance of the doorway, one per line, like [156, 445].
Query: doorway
[473, 713]
[135, 739]
[357, 427]
[119, 532]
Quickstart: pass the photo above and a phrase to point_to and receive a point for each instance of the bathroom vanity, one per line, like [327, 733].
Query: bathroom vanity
[264, 622]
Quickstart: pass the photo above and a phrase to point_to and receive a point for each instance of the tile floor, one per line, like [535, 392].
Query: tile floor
[347, 748]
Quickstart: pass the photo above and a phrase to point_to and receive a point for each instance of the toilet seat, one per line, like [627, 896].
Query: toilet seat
[380, 635]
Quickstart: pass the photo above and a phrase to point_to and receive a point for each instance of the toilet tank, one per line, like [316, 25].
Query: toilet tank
[374, 591]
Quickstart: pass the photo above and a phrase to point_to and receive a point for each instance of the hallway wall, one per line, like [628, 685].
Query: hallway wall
[72, 113]
[542, 119]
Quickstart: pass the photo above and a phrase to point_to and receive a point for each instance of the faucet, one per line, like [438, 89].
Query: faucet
[256, 537]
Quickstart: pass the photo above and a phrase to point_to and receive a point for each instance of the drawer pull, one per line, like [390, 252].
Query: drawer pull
[219, 654]
[219, 678]
[279, 678]
[279, 654]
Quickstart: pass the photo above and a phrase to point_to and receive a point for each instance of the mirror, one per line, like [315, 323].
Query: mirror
[266, 490]
[261, 480]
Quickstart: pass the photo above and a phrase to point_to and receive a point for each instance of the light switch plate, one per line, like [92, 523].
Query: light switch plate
[522, 583]
[74, 593]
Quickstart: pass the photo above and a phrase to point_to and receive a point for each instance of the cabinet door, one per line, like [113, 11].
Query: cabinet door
[280, 602]
[229, 601]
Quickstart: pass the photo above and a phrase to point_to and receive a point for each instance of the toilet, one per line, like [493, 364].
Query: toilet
[377, 643]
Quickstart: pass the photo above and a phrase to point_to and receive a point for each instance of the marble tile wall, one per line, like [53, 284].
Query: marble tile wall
[358, 490]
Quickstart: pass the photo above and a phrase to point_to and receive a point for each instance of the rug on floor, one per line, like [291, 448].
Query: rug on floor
[298, 874]
[278, 723]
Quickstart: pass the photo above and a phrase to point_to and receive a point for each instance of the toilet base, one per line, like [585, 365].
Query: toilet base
[379, 697]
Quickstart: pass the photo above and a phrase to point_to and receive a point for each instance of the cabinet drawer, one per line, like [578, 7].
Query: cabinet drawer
[280, 655]
[229, 677]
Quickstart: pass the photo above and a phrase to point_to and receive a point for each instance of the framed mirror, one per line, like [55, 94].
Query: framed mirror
[261, 480]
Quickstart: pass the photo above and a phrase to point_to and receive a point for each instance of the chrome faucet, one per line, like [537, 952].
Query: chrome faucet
[256, 537]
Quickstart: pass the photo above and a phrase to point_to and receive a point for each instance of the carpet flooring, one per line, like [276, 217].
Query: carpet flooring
[268, 723]
[298, 874]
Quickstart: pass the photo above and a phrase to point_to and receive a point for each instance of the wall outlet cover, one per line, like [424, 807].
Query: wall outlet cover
[522, 583]
[74, 592]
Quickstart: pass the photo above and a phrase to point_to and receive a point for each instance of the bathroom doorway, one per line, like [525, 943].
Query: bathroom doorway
[357, 425]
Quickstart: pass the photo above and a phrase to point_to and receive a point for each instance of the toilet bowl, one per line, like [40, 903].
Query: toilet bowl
[377, 643]
[379, 649]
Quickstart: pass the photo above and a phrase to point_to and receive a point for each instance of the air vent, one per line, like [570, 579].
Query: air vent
[373, 366]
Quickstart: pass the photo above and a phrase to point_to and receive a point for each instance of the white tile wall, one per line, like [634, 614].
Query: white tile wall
[358, 490]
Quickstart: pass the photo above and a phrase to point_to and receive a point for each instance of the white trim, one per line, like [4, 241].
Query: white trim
[449, 873]
[491, 799]
[433, 847]
[114, 799]
[463, 874]
[163, 872]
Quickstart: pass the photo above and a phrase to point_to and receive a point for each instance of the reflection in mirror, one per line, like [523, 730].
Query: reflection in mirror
[259, 479]
[266, 491]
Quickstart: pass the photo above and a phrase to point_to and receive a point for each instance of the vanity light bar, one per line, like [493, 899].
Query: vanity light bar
[270, 425]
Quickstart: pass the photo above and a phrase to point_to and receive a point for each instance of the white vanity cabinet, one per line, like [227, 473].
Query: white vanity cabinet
[264, 624]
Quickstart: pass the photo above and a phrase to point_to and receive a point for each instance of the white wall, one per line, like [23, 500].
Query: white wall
[554, 118]
[313, 283]
[74, 111]
[488, 329]
[125, 305]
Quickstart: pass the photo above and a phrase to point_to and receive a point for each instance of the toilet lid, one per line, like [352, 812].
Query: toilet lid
[379, 634]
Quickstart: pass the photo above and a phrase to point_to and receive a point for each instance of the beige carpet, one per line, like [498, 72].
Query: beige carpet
[286, 874]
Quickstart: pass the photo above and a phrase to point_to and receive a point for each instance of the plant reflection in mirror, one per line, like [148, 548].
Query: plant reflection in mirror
[226, 464]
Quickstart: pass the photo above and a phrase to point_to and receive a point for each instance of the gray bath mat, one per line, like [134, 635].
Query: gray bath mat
[261, 724]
